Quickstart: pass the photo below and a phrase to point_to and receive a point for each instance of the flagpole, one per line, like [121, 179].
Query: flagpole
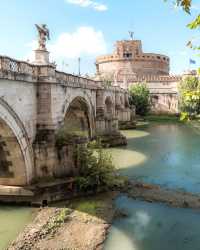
[189, 66]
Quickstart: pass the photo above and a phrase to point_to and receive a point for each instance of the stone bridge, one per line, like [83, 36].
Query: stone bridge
[35, 102]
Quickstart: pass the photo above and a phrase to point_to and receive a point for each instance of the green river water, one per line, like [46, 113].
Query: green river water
[167, 154]
[12, 221]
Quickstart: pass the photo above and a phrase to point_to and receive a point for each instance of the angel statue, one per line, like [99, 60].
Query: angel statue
[131, 33]
[43, 36]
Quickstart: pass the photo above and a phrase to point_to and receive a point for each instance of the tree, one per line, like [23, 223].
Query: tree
[140, 97]
[195, 24]
[96, 169]
[185, 4]
[189, 97]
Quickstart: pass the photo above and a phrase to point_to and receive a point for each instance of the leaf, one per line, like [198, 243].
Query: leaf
[194, 24]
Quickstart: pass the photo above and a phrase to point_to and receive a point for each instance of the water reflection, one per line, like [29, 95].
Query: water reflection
[12, 221]
[164, 154]
[154, 227]
[123, 158]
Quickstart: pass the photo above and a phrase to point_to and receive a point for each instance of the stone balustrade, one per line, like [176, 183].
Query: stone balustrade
[21, 70]
[8, 64]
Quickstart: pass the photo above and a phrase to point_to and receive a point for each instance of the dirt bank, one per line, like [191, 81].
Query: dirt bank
[154, 193]
[83, 224]
[79, 226]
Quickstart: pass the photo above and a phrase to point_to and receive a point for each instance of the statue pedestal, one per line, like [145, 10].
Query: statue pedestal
[41, 57]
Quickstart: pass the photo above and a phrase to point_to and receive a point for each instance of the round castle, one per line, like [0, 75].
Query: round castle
[128, 63]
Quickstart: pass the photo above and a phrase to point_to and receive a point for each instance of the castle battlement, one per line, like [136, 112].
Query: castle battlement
[129, 61]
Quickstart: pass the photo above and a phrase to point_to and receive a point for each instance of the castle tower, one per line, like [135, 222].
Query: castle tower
[129, 62]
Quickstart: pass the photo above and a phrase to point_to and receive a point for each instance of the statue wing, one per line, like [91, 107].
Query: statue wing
[48, 34]
[38, 28]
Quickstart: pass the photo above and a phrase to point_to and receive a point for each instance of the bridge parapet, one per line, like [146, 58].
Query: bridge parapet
[12, 66]
[76, 81]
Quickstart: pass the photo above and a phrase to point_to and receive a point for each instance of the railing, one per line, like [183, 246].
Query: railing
[10, 65]
[75, 81]
[151, 78]
[31, 73]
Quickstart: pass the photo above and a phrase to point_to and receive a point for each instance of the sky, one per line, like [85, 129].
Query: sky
[89, 28]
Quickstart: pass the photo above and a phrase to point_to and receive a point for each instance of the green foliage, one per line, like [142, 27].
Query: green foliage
[57, 221]
[194, 24]
[184, 117]
[162, 118]
[184, 4]
[88, 206]
[189, 97]
[140, 97]
[96, 169]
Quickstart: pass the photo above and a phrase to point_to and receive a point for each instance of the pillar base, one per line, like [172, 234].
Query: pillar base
[41, 57]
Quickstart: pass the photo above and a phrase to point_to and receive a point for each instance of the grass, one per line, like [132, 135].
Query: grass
[55, 222]
[89, 206]
[162, 118]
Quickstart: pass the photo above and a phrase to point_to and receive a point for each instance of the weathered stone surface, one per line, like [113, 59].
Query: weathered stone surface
[130, 65]
[36, 101]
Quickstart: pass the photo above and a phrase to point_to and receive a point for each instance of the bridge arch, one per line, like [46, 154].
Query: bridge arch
[79, 116]
[16, 155]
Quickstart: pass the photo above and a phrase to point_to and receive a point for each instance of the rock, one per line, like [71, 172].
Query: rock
[185, 204]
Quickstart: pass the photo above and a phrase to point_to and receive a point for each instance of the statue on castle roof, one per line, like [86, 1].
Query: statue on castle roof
[131, 33]
[43, 35]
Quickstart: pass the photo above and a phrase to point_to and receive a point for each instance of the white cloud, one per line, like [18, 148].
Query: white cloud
[89, 3]
[85, 41]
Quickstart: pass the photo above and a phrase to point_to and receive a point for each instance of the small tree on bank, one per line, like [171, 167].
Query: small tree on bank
[189, 97]
[140, 98]
[96, 169]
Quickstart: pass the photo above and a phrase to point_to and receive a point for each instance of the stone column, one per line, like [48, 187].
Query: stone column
[41, 57]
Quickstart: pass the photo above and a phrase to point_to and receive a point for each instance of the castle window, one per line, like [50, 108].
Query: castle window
[127, 55]
[158, 57]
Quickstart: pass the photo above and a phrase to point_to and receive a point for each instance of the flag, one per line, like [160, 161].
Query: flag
[192, 61]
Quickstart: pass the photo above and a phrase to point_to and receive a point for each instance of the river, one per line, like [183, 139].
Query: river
[166, 154]
[12, 221]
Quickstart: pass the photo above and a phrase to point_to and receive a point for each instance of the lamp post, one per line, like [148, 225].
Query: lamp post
[79, 66]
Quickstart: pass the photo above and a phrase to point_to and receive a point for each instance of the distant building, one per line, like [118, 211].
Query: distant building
[129, 62]
[130, 65]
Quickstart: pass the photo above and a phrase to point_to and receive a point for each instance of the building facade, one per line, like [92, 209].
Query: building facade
[130, 65]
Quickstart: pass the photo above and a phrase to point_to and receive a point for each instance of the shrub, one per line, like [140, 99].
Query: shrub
[140, 98]
[95, 167]
[189, 96]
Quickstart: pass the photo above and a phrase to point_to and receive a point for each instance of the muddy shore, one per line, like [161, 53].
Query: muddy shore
[155, 193]
[83, 224]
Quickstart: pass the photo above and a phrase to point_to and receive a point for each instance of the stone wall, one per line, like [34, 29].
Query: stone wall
[35, 102]
[22, 98]
[128, 61]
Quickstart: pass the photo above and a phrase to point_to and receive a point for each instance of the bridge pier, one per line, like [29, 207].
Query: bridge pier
[37, 102]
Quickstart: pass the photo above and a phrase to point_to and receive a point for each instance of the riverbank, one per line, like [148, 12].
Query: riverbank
[155, 193]
[81, 224]
[162, 151]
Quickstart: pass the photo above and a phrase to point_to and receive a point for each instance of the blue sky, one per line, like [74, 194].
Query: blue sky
[88, 28]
